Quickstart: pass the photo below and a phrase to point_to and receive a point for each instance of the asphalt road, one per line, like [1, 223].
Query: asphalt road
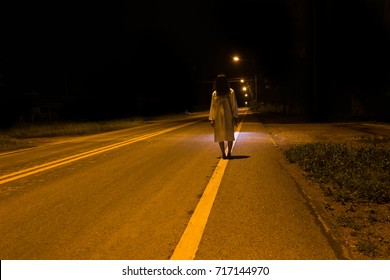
[130, 194]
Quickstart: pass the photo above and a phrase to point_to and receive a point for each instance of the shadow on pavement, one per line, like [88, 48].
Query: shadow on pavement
[237, 157]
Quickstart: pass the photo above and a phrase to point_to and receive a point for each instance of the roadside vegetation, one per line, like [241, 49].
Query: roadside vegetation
[356, 181]
[22, 136]
[349, 173]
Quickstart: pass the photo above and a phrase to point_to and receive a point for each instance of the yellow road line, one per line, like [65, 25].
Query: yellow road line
[39, 168]
[189, 241]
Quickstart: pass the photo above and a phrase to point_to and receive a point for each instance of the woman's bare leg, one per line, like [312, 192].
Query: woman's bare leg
[230, 146]
[222, 147]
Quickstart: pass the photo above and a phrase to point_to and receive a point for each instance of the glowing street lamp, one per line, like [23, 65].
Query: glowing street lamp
[237, 59]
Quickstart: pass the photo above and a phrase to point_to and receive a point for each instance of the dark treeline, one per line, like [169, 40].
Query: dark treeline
[332, 59]
[87, 62]
[352, 39]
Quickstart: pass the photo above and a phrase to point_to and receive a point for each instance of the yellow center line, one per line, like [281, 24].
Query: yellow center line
[39, 168]
[189, 241]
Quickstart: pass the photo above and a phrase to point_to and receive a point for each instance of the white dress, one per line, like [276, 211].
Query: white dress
[222, 111]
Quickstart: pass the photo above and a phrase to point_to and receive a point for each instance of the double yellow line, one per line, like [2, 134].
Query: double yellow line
[49, 165]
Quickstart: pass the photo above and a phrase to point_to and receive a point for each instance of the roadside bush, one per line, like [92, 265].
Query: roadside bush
[10, 143]
[346, 172]
[69, 128]
[17, 137]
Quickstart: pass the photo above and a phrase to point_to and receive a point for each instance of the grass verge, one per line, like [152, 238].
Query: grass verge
[349, 173]
[8, 143]
[355, 182]
[18, 137]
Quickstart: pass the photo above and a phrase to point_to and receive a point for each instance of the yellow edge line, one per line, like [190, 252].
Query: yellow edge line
[36, 169]
[188, 245]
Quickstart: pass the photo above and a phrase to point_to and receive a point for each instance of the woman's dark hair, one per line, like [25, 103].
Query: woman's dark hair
[221, 85]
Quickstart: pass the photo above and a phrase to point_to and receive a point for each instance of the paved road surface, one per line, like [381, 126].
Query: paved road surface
[130, 194]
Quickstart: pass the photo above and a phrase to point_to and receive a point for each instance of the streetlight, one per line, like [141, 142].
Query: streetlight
[236, 59]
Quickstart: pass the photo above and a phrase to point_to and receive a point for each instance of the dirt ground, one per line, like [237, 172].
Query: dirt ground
[362, 229]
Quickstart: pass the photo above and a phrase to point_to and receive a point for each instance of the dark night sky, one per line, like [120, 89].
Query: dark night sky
[122, 58]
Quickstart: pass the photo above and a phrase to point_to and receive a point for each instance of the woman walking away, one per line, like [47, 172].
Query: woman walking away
[223, 113]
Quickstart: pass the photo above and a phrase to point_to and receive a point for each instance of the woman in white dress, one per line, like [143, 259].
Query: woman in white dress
[223, 113]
